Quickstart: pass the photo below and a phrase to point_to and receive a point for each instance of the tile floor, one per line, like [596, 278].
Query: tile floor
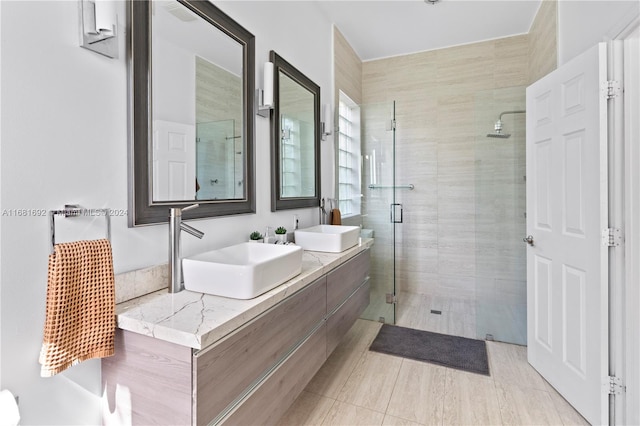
[358, 387]
[463, 317]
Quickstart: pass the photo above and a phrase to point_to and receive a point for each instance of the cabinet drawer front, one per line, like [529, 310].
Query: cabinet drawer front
[269, 401]
[157, 375]
[341, 321]
[223, 372]
[343, 280]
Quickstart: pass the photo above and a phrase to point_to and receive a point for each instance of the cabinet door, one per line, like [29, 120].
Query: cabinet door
[224, 372]
[343, 280]
[157, 375]
[343, 319]
[269, 401]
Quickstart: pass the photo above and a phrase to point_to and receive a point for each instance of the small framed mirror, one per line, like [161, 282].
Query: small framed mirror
[295, 139]
[192, 85]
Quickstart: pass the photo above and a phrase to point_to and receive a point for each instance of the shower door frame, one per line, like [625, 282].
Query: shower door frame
[375, 311]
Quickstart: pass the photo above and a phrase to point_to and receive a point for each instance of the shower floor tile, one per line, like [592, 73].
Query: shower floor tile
[457, 316]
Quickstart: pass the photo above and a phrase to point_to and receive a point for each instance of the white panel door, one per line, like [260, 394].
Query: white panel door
[567, 265]
[174, 161]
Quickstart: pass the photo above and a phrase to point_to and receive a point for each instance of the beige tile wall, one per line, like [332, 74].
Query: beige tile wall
[347, 68]
[440, 123]
[452, 242]
[543, 43]
[218, 95]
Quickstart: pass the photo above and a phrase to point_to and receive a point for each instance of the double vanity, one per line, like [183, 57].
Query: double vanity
[255, 321]
[197, 358]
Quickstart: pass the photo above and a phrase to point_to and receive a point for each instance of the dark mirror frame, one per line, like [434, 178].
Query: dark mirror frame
[277, 202]
[142, 209]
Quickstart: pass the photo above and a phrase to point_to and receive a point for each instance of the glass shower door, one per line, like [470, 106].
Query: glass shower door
[219, 158]
[380, 211]
[501, 302]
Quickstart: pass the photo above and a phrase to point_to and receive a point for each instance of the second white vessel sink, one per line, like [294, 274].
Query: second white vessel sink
[329, 238]
[242, 271]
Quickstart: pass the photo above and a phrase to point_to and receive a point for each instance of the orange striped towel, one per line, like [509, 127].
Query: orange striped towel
[80, 314]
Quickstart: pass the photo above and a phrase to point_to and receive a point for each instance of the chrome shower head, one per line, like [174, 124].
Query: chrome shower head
[498, 126]
[498, 131]
[498, 135]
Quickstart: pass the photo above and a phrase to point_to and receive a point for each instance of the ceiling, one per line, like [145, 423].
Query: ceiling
[383, 28]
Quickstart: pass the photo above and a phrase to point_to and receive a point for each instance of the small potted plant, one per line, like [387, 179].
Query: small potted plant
[255, 237]
[281, 234]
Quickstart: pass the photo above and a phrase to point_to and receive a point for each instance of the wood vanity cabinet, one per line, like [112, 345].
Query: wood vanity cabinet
[252, 375]
[225, 370]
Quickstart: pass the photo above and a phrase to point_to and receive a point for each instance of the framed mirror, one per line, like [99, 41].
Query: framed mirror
[191, 90]
[295, 138]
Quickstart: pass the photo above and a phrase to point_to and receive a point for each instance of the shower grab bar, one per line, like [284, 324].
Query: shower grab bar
[71, 210]
[409, 186]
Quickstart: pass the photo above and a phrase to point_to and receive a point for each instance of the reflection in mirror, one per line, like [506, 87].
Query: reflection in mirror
[197, 101]
[192, 84]
[296, 138]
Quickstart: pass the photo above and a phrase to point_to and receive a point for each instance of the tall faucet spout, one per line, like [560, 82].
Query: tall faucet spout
[175, 250]
[191, 230]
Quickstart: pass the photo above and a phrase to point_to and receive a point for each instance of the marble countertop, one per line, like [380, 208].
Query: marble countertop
[197, 320]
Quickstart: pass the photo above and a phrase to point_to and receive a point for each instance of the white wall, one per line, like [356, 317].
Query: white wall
[297, 31]
[64, 140]
[0, 199]
[176, 101]
[582, 24]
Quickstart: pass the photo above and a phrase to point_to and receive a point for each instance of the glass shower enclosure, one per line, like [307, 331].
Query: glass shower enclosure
[453, 260]
[500, 217]
[381, 213]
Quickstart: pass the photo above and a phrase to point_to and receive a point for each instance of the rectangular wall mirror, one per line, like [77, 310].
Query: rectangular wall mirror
[191, 71]
[295, 139]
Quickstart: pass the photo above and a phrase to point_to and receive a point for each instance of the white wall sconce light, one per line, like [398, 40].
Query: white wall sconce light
[98, 26]
[264, 96]
[325, 121]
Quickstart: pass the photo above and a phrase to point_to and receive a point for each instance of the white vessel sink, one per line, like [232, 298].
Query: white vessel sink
[330, 238]
[242, 271]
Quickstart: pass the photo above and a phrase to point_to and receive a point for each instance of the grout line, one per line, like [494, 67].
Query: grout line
[393, 388]
[444, 394]
[355, 367]
[495, 391]
[324, 418]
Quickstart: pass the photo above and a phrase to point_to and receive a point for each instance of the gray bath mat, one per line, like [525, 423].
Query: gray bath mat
[450, 351]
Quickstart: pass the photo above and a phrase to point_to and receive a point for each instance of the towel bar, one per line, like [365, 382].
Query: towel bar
[72, 210]
[409, 186]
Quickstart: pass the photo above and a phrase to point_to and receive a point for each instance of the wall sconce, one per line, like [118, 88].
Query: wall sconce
[264, 96]
[98, 26]
[325, 123]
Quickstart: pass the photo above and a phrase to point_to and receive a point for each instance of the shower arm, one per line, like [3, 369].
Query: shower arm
[498, 125]
[511, 112]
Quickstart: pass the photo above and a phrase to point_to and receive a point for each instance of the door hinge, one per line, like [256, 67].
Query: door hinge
[611, 237]
[614, 386]
[612, 89]
[392, 298]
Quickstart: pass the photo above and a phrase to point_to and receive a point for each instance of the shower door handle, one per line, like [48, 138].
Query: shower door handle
[394, 210]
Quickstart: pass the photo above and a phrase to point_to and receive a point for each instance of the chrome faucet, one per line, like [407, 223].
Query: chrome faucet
[175, 254]
[323, 212]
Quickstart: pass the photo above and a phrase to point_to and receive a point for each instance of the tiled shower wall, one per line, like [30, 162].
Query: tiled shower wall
[454, 245]
[437, 114]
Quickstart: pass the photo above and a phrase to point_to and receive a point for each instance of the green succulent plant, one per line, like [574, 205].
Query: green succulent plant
[255, 235]
[281, 230]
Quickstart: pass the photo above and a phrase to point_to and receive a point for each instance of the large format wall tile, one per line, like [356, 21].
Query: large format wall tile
[464, 219]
